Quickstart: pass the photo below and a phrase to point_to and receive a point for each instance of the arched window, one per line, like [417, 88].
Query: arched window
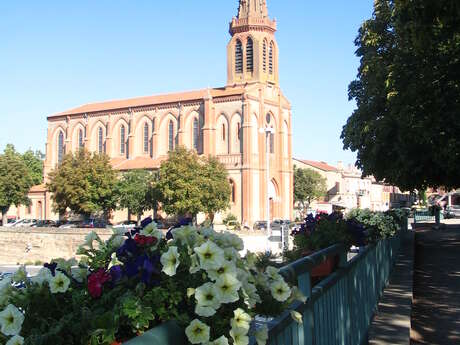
[60, 147]
[171, 136]
[80, 139]
[122, 140]
[270, 59]
[265, 56]
[146, 138]
[153, 125]
[238, 131]
[249, 55]
[238, 57]
[233, 191]
[196, 134]
[223, 132]
[100, 140]
[272, 142]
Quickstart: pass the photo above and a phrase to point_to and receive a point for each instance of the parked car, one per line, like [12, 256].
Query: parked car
[260, 225]
[10, 222]
[93, 223]
[26, 223]
[70, 225]
[44, 224]
[126, 225]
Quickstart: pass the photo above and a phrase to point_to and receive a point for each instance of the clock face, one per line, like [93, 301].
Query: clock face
[268, 118]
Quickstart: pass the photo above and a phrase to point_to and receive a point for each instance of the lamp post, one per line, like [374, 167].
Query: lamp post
[268, 131]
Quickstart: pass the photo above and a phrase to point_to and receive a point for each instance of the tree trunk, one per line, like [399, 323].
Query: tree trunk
[139, 216]
[4, 215]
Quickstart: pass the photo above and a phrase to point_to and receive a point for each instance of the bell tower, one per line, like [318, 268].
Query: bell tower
[252, 53]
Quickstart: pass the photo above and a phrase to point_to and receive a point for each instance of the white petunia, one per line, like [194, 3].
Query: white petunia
[211, 256]
[65, 265]
[296, 316]
[195, 265]
[114, 261]
[15, 340]
[261, 335]
[235, 241]
[251, 298]
[208, 300]
[170, 261]
[79, 274]
[44, 275]
[226, 267]
[280, 290]
[241, 319]
[152, 231]
[90, 238]
[5, 288]
[221, 341]
[197, 332]
[208, 233]
[297, 295]
[117, 241]
[190, 292]
[231, 254]
[59, 283]
[228, 287]
[239, 336]
[273, 273]
[11, 320]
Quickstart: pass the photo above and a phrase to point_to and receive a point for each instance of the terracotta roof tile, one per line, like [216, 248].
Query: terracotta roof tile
[40, 188]
[318, 165]
[150, 100]
[136, 163]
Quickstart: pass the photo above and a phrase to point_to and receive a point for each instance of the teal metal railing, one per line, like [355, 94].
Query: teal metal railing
[421, 216]
[340, 308]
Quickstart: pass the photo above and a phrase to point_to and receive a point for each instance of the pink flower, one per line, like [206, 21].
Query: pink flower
[96, 281]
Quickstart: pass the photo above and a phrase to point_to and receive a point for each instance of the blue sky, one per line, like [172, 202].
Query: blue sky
[56, 55]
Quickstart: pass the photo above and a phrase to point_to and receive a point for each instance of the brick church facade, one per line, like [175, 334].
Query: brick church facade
[224, 122]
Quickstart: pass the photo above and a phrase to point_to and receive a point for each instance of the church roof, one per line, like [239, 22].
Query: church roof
[124, 164]
[150, 100]
[318, 165]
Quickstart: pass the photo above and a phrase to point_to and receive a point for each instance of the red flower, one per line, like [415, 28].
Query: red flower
[142, 240]
[96, 281]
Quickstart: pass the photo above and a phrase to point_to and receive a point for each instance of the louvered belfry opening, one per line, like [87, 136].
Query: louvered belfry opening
[239, 57]
[270, 59]
[250, 55]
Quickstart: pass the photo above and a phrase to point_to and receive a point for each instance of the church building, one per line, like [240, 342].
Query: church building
[243, 124]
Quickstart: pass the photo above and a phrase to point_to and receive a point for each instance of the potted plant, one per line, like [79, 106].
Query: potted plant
[194, 287]
[319, 233]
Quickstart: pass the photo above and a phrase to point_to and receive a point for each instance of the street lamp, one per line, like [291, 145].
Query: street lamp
[268, 131]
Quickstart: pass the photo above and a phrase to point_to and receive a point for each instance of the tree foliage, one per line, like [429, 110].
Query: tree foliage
[15, 181]
[189, 184]
[406, 127]
[34, 163]
[84, 183]
[308, 186]
[135, 193]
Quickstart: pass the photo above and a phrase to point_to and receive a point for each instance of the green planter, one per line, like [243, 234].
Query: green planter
[168, 333]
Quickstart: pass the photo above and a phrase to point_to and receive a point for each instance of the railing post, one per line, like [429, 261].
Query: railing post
[305, 287]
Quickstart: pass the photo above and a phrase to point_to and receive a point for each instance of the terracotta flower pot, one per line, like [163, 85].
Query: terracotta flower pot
[325, 268]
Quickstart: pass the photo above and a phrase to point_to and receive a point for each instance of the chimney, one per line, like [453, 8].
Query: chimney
[340, 165]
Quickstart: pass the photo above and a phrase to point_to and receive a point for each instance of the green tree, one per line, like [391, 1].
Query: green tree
[308, 186]
[189, 184]
[15, 181]
[215, 188]
[34, 163]
[84, 183]
[405, 128]
[134, 192]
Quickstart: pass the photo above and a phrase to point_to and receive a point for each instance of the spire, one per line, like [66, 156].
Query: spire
[253, 9]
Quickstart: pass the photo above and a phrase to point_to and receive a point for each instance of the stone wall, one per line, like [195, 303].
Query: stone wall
[28, 245]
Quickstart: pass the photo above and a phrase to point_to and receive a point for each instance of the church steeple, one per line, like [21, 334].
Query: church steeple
[252, 53]
[252, 8]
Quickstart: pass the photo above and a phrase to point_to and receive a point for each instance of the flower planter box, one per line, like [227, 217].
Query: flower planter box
[325, 268]
[168, 333]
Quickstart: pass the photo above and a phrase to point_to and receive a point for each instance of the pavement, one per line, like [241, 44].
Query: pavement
[436, 306]
[391, 324]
